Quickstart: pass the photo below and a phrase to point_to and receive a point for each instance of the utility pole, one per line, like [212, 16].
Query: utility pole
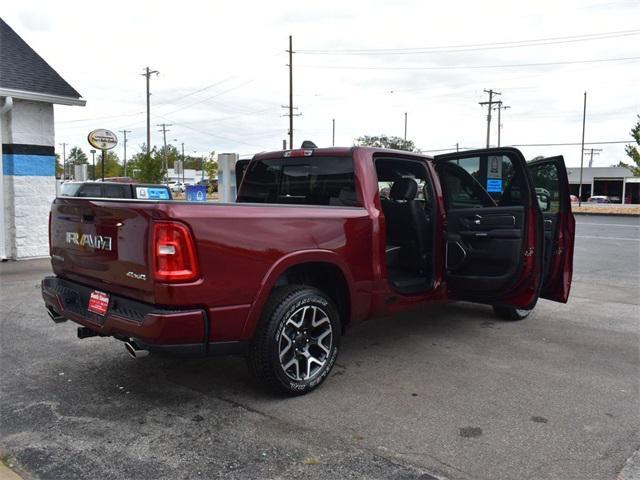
[290, 107]
[405, 128]
[64, 161]
[490, 105]
[499, 108]
[124, 132]
[333, 132]
[164, 131]
[592, 152]
[584, 118]
[182, 163]
[93, 159]
[148, 74]
[457, 147]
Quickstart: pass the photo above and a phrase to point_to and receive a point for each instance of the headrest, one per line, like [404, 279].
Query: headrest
[404, 189]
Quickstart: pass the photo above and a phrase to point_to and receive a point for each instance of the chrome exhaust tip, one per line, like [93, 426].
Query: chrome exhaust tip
[53, 315]
[134, 351]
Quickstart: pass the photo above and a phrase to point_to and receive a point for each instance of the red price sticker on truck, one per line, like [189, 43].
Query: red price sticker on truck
[98, 303]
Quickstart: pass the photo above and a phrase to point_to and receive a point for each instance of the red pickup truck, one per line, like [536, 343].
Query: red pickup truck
[318, 240]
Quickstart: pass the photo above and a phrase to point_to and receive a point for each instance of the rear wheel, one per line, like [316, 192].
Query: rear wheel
[296, 342]
[511, 313]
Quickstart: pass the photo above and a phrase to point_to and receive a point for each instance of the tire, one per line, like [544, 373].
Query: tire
[510, 313]
[293, 349]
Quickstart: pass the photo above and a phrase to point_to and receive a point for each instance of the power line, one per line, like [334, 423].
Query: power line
[473, 67]
[472, 47]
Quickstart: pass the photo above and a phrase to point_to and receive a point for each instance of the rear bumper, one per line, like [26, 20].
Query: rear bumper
[153, 328]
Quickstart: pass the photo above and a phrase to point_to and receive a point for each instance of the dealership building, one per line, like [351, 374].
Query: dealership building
[617, 183]
[29, 88]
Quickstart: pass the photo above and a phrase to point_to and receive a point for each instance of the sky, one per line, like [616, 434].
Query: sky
[223, 75]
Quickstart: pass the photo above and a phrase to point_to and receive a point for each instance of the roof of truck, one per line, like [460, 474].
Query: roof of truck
[333, 152]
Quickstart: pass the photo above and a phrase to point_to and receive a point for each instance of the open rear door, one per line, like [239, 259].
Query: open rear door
[494, 227]
[549, 177]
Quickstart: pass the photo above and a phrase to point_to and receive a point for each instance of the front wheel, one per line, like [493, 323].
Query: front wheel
[296, 343]
[511, 313]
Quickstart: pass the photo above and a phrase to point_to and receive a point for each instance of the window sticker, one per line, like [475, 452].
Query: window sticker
[494, 167]
[494, 185]
[151, 193]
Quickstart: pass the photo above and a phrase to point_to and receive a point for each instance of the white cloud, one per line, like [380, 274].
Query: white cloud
[102, 52]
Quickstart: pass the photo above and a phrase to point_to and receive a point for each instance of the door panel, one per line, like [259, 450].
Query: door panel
[494, 227]
[551, 183]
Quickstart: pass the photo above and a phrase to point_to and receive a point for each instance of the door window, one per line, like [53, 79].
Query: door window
[547, 184]
[481, 181]
[90, 190]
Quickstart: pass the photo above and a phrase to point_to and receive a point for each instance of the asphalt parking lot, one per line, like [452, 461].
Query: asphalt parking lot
[449, 392]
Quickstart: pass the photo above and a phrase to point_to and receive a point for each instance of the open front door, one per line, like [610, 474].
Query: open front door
[494, 227]
[549, 177]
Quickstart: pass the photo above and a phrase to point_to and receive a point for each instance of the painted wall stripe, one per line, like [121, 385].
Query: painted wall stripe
[28, 165]
[24, 149]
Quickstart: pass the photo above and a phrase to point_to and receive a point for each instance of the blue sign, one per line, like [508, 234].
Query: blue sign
[158, 194]
[196, 193]
[494, 185]
[152, 193]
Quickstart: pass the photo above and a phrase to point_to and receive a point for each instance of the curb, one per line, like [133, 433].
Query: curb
[631, 468]
[7, 474]
[598, 214]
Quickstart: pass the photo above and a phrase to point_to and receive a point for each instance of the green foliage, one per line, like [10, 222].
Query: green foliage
[58, 166]
[112, 167]
[384, 141]
[147, 168]
[76, 157]
[210, 166]
[633, 152]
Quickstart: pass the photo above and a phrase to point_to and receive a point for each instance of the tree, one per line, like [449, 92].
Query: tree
[210, 165]
[147, 168]
[76, 157]
[383, 141]
[632, 151]
[112, 167]
[58, 166]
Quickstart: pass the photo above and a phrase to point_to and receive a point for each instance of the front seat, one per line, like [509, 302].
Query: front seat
[407, 225]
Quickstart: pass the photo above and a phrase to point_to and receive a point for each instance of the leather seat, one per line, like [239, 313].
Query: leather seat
[407, 225]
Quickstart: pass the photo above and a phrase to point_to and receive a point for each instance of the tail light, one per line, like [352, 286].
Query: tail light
[174, 253]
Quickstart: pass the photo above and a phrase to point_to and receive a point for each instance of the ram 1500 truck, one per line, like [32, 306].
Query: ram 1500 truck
[318, 240]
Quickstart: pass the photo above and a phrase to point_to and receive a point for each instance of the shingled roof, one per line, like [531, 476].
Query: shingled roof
[21, 68]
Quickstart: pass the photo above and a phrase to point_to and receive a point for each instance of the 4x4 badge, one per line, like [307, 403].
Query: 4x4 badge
[137, 276]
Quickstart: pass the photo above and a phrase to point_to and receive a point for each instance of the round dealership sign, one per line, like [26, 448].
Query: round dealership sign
[102, 139]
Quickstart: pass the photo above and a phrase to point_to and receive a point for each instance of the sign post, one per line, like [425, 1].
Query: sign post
[104, 140]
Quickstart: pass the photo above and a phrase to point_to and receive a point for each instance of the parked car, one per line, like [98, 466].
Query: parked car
[177, 187]
[599, 199]
[309, 250]
[115, 190]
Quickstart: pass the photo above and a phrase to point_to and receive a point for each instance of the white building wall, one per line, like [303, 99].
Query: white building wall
[28, 177]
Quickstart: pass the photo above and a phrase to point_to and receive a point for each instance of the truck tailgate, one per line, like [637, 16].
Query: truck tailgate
[104, 244]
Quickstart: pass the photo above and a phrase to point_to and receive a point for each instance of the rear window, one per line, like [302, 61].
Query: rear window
[117, 191]
[69, 189]
[300, 181]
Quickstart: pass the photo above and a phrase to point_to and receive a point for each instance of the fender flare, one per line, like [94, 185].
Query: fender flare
[278, 268]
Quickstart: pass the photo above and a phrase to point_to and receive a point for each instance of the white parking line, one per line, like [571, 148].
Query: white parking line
[609, 238]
